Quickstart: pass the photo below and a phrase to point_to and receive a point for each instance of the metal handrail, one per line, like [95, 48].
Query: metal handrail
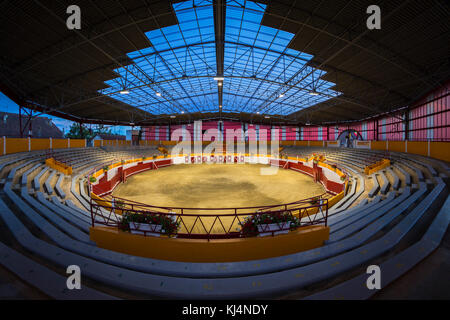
[102, 215]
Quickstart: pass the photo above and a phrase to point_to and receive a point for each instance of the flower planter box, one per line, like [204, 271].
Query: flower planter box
[172, 216]
[267, 229]
[150, 229]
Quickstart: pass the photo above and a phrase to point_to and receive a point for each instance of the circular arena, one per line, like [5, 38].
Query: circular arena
[225, 150]
[204, 186]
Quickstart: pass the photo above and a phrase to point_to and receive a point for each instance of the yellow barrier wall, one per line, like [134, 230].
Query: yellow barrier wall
[379, 145]
[377, 166]
[396, 146]
[316, 143]
[67, 170]
[196, 250]
[39, 144]
[77, 143]
[14, 145]
[332, 201]
[59, 143]
[169, 143]
[439, 150]
[418, 147]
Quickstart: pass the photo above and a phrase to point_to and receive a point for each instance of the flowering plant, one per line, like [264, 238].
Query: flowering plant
[249, 227]
[168, 225]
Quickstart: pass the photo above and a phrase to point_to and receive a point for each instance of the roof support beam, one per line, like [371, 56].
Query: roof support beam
[219, 28]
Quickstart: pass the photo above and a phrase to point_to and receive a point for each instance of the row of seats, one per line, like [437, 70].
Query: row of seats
[361, 229]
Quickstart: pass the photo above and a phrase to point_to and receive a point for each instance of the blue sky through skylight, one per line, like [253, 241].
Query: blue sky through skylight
[176, 73]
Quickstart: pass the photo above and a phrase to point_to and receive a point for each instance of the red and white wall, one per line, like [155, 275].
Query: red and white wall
[428, 119]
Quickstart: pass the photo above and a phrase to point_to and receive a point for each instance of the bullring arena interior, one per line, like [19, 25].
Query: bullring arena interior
[225, 149]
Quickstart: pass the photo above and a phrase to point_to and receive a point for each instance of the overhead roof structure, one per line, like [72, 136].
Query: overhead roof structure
[144, 62]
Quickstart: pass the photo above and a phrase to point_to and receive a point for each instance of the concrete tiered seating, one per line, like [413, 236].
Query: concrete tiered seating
[358, 235]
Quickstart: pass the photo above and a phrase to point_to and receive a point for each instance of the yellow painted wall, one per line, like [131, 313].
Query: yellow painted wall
[379, 145]
[169, 143]
[316, 143]
[14, 145]
[418, 147]
[59, 143]
[39, 144]
[332, 201]
[377, 166]
[77, 143]
[439, 150]
[67, 170]
[396, 146]
[223, 250]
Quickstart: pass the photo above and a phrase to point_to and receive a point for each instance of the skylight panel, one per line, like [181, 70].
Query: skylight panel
[181, 62]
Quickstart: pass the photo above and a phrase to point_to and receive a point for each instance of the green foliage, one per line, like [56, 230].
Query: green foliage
[250, 224]
[84, 133]
[169, 226]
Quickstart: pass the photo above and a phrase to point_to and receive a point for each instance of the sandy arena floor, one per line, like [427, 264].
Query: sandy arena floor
[215, 186]
[208, 186]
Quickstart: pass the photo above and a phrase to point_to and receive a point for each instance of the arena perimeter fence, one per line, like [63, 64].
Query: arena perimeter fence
[207, 223]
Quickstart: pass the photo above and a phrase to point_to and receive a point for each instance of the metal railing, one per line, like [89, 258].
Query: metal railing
[206, 223]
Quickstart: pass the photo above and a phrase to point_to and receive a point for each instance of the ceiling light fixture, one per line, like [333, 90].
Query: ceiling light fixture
[173, 117]
[124, 92]
[219, 78]
[281, 95]
[314, 93]
[219, 83]
[158, 94]
[182, 111]
[267, 117]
